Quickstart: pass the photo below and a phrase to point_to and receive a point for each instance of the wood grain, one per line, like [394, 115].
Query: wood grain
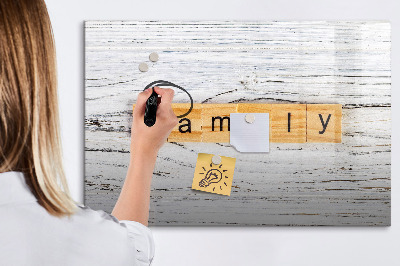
[315, 62]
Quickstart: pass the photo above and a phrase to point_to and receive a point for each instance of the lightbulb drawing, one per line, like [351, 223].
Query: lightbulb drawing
[213, 176]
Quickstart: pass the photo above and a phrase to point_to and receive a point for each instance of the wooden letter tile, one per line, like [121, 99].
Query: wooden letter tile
[189, 127]
[216, 121]
[324, 123]
[288, 123]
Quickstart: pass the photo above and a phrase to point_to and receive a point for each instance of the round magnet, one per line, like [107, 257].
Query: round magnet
[250, 118]
[153, 57]
[216, 159]
[143, 67]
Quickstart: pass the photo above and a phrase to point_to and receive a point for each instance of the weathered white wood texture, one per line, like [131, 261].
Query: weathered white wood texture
[231, 62]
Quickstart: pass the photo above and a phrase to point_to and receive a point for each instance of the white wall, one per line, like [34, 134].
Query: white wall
[230, 246]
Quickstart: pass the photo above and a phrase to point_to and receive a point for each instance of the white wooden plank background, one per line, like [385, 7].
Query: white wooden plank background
[263, 62]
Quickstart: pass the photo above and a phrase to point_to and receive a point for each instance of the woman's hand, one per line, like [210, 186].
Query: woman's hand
[148, 140]
[134, 200]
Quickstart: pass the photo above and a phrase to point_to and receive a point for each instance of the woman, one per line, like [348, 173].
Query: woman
[39, 222]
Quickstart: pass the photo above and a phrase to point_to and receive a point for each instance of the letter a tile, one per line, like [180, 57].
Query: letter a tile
[188, 128]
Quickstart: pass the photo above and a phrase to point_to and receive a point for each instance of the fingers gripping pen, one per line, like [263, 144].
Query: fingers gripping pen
[151, 109]
[152, 102]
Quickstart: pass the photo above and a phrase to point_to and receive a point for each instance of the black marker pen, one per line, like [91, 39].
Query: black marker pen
[151, 109]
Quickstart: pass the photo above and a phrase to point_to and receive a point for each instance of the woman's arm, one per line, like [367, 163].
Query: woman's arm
[134, 200]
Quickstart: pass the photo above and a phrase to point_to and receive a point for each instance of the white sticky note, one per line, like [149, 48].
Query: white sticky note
[249, 137]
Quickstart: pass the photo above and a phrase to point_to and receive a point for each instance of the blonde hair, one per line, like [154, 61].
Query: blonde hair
[29, 123]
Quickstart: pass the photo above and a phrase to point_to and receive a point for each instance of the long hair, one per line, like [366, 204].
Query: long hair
[29, 120]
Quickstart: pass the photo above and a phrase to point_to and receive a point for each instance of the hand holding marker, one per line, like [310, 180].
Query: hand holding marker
[134, 199]
[147, 138]
[151, 109]
[152, 102]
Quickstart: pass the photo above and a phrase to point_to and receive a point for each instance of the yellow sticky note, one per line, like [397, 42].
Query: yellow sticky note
[213, 178]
